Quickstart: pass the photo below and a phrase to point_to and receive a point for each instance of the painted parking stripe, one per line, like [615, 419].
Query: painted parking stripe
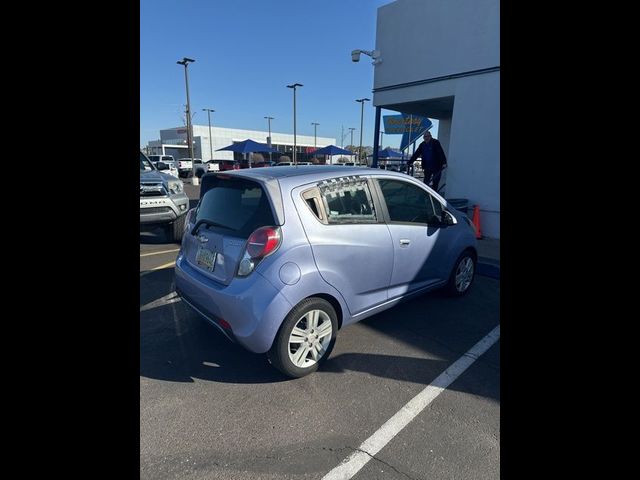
[372, 445]
[147, 272]
[166, 300]
[159, 253]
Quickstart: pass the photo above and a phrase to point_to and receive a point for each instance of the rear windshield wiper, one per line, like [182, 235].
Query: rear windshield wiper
[209, 223]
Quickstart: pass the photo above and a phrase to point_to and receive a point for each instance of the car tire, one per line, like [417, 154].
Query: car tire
[176, 229]
[462, 274]
[312, 318]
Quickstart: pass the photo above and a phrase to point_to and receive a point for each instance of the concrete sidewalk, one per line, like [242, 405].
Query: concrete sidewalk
[489, 257]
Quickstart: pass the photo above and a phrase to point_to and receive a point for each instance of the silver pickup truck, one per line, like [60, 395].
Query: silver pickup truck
[162, 199]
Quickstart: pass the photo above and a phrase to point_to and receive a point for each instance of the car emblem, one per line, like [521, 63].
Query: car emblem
[202, 239]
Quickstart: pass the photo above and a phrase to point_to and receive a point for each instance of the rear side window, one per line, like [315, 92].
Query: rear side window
[237, 205]
[347, 200]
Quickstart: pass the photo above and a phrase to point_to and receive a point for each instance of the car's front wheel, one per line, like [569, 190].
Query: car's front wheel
[305, 339]
[462, 274]
[176, 229]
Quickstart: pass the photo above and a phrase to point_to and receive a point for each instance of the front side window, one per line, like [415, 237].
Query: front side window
[145, 164]
[409, 203]
[347, 200]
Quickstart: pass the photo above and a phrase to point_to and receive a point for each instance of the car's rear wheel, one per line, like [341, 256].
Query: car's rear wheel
[305, 339]
[176, 229]
[462, 274]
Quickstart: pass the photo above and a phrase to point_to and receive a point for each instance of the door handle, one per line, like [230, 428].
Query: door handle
[404, 242]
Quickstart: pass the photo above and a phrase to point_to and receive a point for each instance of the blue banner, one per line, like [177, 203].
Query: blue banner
[417, 130]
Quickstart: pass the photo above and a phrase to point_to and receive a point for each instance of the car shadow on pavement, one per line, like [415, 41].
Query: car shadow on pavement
[154, 236]
[178, 345]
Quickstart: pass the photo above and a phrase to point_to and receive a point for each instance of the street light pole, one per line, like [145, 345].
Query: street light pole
[294, 86]
[269, 121]
[352, 129]
[208, 110]
[315, 145]
[361, 101]
[185, 61]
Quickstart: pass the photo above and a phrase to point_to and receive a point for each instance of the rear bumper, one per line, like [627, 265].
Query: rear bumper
[252, 306]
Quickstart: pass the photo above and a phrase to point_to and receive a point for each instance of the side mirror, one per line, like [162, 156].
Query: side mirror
[162, 166]
[448, 218]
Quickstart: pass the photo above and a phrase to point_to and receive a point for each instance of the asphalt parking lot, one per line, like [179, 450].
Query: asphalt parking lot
[211, 410]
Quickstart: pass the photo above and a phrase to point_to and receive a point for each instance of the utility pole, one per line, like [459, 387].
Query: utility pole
[208, 110]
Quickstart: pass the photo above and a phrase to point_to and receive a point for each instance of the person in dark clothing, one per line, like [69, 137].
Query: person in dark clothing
[433, 159]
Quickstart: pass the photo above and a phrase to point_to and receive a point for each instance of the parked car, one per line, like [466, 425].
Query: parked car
[222, 165]
[187, 166]
[162, 199]
[356, 241]
[161, 158]
[168, 168]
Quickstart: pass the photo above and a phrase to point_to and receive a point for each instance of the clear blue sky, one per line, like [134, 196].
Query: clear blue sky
[246, 52]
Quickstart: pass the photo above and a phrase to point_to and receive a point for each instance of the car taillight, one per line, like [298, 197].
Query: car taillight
[261, 243]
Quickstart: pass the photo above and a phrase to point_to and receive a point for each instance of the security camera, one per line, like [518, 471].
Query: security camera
[355, 55]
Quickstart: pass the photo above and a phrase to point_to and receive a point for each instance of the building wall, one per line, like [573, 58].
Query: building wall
[426, 39]
[420, 39]
[223, 137]
[474, 148]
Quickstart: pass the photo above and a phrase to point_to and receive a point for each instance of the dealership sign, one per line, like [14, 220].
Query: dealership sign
[400, 124]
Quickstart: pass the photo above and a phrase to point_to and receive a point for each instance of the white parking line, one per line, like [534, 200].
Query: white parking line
[372, 445]
[166, 300]
[158, 253]
[147, 272]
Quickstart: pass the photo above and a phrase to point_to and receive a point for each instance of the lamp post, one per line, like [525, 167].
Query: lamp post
[208, 110]
[294, 86]
[269, 142]
[361, 102]
[315, 146]
[185, 61]
[352, 129]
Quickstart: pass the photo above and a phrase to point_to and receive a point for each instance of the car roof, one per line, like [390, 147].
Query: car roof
[281, 180]
[309, 173]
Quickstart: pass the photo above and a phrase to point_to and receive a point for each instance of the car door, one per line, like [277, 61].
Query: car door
[419, 241]
[350, 242]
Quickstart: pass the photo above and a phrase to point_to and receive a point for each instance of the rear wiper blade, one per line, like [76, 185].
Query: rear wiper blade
[209, 223]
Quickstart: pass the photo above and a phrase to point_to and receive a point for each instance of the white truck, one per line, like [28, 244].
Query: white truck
[186, 166]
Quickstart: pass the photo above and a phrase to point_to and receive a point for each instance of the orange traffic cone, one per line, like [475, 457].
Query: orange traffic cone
[476, 220]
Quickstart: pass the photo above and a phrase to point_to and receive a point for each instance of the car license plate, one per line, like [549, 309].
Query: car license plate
[206, 258]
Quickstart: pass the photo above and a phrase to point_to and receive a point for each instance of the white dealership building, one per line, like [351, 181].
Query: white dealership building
[441, 59]
[173, 141]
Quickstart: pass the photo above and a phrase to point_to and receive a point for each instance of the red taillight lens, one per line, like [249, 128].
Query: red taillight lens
[263, 241]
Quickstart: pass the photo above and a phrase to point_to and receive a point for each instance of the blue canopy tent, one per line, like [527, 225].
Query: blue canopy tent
[390, 153]
[332, 150]
[248, 146]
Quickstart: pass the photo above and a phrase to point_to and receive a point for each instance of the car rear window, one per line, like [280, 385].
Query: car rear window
[236, 204]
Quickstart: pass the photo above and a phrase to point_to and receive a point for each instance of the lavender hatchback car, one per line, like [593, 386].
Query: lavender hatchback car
[281, 258]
